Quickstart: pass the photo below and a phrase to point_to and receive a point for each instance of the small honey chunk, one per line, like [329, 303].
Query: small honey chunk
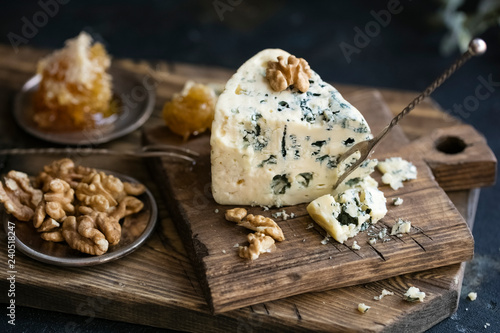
[192, 111]
[75, 88]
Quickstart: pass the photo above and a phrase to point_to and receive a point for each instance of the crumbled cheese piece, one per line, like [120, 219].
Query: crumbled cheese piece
[277, 214]
[310, 226]
[216, 211]
[487, 325]
[414, 294]
[224, 251]
[355, 246]
[265, 208]
[284, 215]
[325, 240]
[372, 241]
[472, 296]
[236, 245]
[384, 293]
[363, 308]
[292, 215]
[346, 214]
[397, 201]
[382, 233]
[401, 227]
[396, 170]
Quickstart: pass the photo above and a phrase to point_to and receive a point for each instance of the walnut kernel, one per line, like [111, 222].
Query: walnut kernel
[259, 243]
[296, 72]
[263, 224]
[235, 214]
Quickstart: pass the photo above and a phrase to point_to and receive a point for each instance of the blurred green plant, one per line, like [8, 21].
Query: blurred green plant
[466, 19]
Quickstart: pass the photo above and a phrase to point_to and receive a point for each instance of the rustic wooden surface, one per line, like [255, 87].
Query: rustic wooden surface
[301, 263]
[459, 157]
[156, 285]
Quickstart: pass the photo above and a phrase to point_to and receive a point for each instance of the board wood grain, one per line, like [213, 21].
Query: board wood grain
[157, 284]
[301, 263]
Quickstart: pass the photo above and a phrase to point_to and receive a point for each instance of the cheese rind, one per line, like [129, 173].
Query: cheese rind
[279, 148]
[343, 216]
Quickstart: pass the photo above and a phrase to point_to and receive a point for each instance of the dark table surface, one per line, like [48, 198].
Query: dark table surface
[402, 54]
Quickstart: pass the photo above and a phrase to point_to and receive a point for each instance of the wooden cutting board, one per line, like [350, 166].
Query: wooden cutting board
[157, 286]
[302, 263]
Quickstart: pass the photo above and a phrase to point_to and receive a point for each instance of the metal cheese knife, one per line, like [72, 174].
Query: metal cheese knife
[476, 47]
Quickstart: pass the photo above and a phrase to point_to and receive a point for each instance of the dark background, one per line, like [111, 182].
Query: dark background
[403, 55]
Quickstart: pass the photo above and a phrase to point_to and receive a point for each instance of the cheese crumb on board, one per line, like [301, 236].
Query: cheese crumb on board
[414, 294]
[396, 170]
[383, 294]
[401, 227]
[397, 201]
[346, 214]
[325, 240]
[472, 296]
[363, 308]
[355, 246]
[280, 148]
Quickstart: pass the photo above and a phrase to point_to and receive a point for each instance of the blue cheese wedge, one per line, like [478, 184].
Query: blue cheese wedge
[346, 214]
[280, 148]
[396, 171]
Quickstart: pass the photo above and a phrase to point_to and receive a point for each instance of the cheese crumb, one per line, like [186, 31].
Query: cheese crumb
[224, 251]
[401, 227]
[363, 308]
[355, 246]
[372, 241]
[384, 293]
[397, 201]
[472, 296]
[382, 233]
[325, 240]
[277, 214]
[216, 211]
[396, 170]
[310, 226]
[486, 325]
[414, 294]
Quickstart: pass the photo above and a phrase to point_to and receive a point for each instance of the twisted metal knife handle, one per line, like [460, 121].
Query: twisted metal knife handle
[476, 47]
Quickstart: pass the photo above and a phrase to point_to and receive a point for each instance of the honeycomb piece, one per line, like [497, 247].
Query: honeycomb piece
[75, 89]
[192, 111]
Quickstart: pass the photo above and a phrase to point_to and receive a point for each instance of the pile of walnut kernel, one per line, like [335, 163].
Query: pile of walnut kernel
[266, 232]
[72, 203]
